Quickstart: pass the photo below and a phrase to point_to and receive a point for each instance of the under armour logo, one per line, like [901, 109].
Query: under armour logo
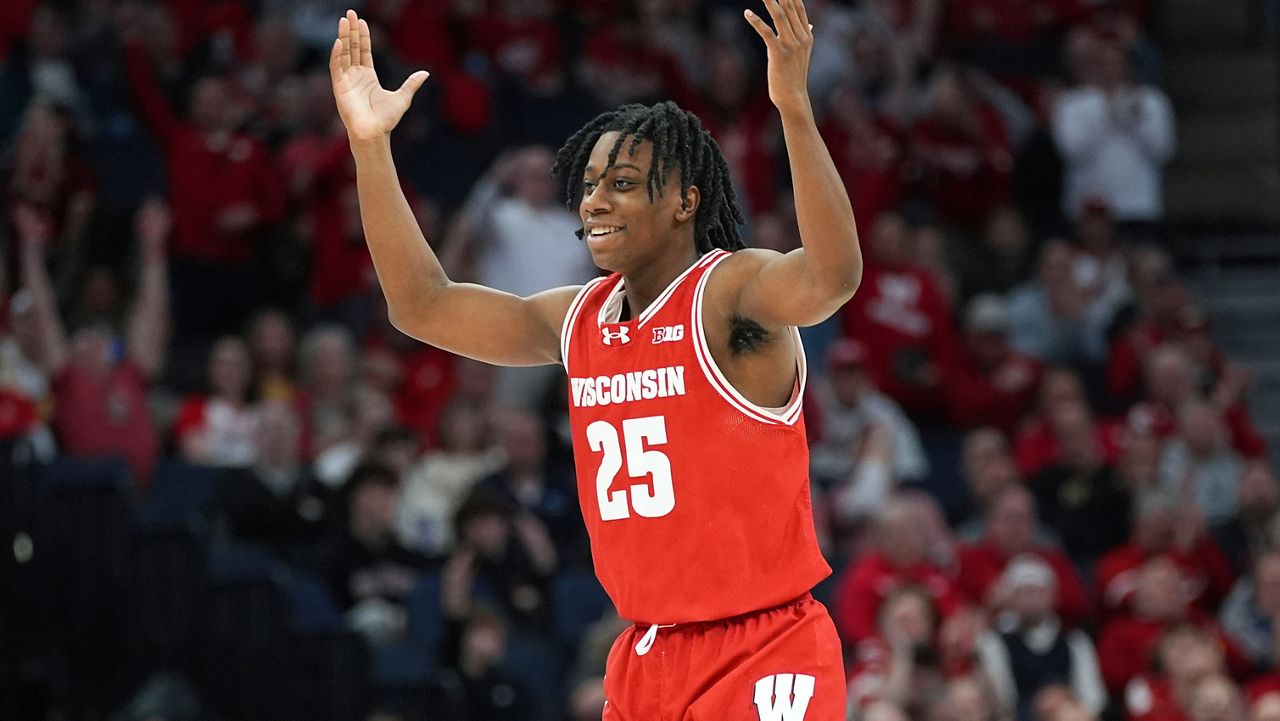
[616, 333]
[784, 696]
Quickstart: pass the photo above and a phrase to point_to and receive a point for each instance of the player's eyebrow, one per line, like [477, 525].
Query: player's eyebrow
[620, 166]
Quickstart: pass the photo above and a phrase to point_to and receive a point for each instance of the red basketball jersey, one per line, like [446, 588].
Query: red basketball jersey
[696, 500]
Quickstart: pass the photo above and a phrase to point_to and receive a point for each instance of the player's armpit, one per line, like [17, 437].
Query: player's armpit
[491, 326]
[779, 289]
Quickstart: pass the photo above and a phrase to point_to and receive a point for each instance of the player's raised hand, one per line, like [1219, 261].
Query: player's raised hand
[368, 110]
[789, 42]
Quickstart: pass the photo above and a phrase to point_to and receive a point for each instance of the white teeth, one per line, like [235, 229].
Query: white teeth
[603, 231]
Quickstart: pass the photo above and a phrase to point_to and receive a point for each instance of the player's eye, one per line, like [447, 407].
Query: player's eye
[622, 184]
[588, 186]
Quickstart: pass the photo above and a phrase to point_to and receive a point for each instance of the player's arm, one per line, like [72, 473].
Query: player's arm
[807, 285]
[422, 302]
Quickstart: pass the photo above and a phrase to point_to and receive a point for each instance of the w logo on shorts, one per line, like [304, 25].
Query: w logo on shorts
[615, 334]
[783, 696]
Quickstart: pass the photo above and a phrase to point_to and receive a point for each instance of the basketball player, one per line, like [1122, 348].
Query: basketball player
[685, 379]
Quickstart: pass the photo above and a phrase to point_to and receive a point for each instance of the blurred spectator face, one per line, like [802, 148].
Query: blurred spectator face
[870, 55]
[100, 293]
[523, 439]
[279, 434]
[1160, 593]
[1012, 522]
[229, 369]
[1033, 589]
[272, 340]
[487, 534]
[463, 429]
[533, 182]
[1216, 699]
[1112, 65]
[1200, 425]
[211, 105]
[317, 100]
[1095, 230]
[1055, 264]
[1074, 428]
[1049, 701]
[381, 369]
[1187, 655]
[1156, 523]
[1170, 375]
[890, 241]
[908, 613]
[1266, 708]
[1060, 387]
[1073, 712]
[373, 510]
[1006, 233]
[901, 540]
[374, 411]
[845, 369]
[986, 329]
[1149, 270]
[1259, 494]
[91, 349]
[1082, 56]
[276, 46]
[727, 83]
[988, 466]
[1266, 580]
[883, 711]
[966, 699]
[1140, 460]
[329, 358]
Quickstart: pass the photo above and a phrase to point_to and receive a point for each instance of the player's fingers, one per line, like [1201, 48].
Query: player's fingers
[790, 25]
[335, 62]
[761, 27]
[344, 44]
[412, 83]
[366, 45]
[353, 35]
[803, 14]
[780, 27]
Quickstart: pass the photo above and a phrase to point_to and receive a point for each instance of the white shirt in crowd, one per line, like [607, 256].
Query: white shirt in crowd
[1115, 146]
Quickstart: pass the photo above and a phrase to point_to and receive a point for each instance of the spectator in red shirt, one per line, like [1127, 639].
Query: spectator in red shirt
[1013, 532]
[218, 427]
[1171, 383]
[99, 389]
[900, 312]
[520, 39]
[1162, 530]
[900, 664]
[868, 151]
[963, 151]
[1126, 643]
[738, 113]
[1182, 658]
[900, 557]
[995, 384]
[1038, 446]
[224, 194]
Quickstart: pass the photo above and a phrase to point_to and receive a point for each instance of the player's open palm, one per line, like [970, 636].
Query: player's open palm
[367, 109]
[789, 43]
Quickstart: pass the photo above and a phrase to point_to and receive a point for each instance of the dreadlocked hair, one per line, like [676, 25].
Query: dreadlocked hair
[679, 141]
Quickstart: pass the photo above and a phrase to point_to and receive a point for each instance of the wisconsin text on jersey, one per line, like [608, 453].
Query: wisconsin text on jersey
[627, 387]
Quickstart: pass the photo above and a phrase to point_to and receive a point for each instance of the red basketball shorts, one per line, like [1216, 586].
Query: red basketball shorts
[780, 664]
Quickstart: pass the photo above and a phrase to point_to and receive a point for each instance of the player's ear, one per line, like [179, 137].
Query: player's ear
[689, 204]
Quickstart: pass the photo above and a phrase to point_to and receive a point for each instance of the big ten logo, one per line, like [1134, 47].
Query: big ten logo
[668, 333]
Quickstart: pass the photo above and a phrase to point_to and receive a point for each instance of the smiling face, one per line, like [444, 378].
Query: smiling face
[624, 230]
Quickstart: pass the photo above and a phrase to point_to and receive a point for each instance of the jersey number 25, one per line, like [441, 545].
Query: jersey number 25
[650, 500]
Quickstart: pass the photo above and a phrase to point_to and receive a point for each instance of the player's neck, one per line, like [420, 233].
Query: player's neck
[645, 284]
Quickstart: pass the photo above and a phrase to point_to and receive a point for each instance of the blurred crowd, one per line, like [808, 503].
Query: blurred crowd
[1034, 471]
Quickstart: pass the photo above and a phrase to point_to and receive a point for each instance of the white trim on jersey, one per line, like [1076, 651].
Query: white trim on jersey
[788, 414]
[611, 309]
[570, 318]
